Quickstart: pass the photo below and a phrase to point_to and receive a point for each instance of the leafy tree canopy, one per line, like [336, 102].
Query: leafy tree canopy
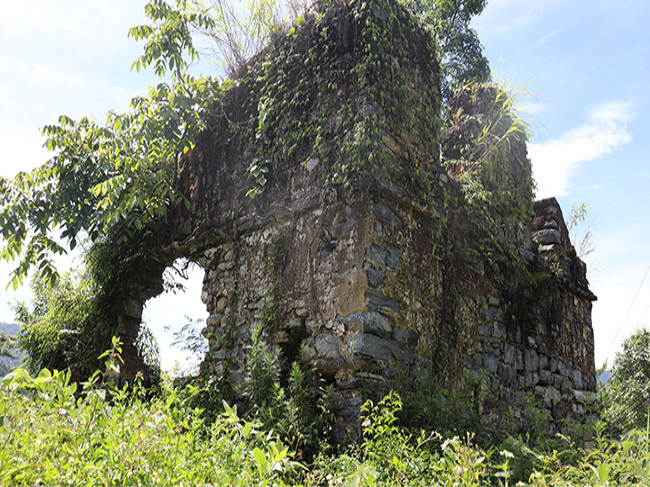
[123, 173]
[462, 56]
[626, 397]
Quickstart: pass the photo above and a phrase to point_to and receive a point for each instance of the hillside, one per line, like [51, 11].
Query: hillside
[6, 363]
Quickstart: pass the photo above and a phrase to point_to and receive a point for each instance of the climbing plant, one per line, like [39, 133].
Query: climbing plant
[484, 149]
[123, 172]
[341, 90]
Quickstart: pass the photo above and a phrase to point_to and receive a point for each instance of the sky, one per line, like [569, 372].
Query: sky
[584, 64]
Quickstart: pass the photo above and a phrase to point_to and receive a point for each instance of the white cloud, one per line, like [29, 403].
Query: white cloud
[615, 315]
[557, 160]
[546, 38]
[532, 107]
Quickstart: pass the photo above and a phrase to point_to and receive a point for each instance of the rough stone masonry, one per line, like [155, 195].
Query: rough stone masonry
[386, 271]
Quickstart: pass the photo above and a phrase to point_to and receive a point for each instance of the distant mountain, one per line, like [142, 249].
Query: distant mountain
[604, 376]
[9, 328]
[8, 363]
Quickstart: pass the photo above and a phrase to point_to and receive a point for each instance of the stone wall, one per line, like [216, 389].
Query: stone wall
[369, 285]
[537, 345]
[390, 269]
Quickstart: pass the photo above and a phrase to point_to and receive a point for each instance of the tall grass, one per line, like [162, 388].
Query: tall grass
[54, 432]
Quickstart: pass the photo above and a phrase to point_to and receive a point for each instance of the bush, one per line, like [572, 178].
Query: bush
[626, 397]
[62, 330]
[300, 412]
[55, 433]
[56, 326]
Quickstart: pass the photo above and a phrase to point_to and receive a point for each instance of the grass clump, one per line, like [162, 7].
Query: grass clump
[54, 431]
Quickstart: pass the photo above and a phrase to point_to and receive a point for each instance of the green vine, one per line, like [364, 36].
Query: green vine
[344, 89]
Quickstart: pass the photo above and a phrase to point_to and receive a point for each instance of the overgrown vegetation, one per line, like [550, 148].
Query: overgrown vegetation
[123, 185]
[626, 396]
[68, 324]
[119, 184]
[58, 432]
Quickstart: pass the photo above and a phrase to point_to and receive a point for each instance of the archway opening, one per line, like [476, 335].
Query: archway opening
[176, 318]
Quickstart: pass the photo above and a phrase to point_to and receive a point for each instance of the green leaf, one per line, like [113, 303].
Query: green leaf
[260, 457]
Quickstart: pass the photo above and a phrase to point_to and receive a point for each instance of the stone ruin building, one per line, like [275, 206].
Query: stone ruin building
[364, 242]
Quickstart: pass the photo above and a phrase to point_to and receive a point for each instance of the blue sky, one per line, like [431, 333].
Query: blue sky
[585, 63]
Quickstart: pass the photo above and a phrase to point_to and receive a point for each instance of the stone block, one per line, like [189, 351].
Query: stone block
[499, 330]
[490, 363]
[493, 299]
[484, 329]
[225, 266]
[509, 354]
[384, 255]
[531, 360]
[301, 312]
[378, 302]
[375, 277]
[543, 361]
[532, 378]
[519, 360]
[374, 348]
[405, 337]
[551, 396]
[378, 228]
[494, 313]
[349, 384]
[388, 216]
[577, 379]
[370, 322]
[578, 408]
[327, 345]
[580, 395]
[546, 377]
[327, 348]
[548, 236]
[506, 373]
[473, 362]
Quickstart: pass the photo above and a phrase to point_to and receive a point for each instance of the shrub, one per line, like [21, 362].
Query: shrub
[300, 412]
[55, 433]
[626, 397]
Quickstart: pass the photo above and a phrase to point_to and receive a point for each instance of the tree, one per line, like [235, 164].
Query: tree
[626, 397]
[57, 326]
[118, 184]
[64, 328]
[113, 184]
[461, 52]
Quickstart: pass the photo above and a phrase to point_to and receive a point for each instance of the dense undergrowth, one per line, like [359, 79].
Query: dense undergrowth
[57, 432]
